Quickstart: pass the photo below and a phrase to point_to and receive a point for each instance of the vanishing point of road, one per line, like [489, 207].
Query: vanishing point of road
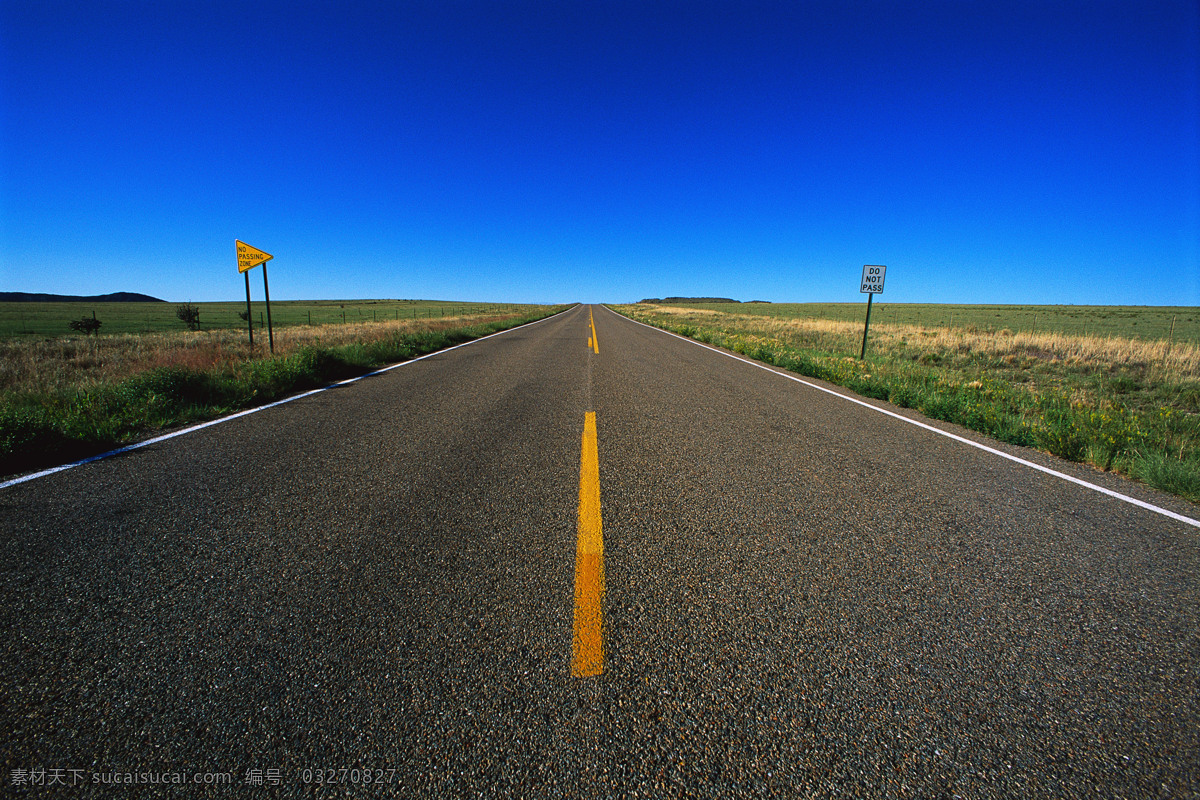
[587, 558]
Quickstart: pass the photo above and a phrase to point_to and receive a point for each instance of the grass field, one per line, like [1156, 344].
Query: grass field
[67, 397]
[51, 319]
[1178, 323]
[1113, 397]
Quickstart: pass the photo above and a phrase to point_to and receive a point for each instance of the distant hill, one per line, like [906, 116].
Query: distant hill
[115, 297]
[689, 300]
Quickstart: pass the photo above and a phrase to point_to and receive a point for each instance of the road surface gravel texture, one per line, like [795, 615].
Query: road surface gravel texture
[803, 597]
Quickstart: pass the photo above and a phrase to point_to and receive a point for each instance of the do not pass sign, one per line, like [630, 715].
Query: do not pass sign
[872, 280]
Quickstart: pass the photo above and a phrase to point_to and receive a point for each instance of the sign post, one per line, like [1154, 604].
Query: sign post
[249, 319]
[872, 284]
[267, 294]
[248, 258]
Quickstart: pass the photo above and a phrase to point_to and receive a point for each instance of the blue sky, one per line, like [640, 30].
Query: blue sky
[986, 152]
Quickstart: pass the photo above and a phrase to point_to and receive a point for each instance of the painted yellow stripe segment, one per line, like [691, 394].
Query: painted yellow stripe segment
[587, 652]
[593, 342]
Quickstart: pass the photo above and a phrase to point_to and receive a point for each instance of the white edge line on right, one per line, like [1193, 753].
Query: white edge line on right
[1124, 497]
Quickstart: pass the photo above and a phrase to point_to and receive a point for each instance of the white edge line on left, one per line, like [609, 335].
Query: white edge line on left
[248, 411]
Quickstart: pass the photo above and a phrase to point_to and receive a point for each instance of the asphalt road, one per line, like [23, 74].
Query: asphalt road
[803, 597]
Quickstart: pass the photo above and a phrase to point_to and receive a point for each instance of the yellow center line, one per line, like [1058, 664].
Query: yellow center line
[587, 652]
[593, 342]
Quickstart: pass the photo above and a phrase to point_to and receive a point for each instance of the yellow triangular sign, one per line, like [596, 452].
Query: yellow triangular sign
[249, 257]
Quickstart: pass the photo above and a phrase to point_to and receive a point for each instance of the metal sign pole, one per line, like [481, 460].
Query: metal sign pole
[267, 292]
[249, 319]
[866, 327]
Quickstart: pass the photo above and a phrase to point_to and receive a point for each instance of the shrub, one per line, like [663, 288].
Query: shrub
[86, 325]
[189, 315]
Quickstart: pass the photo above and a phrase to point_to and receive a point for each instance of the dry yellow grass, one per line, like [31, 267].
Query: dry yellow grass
[1181, 360]
[1105, 351]
[682, 311]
